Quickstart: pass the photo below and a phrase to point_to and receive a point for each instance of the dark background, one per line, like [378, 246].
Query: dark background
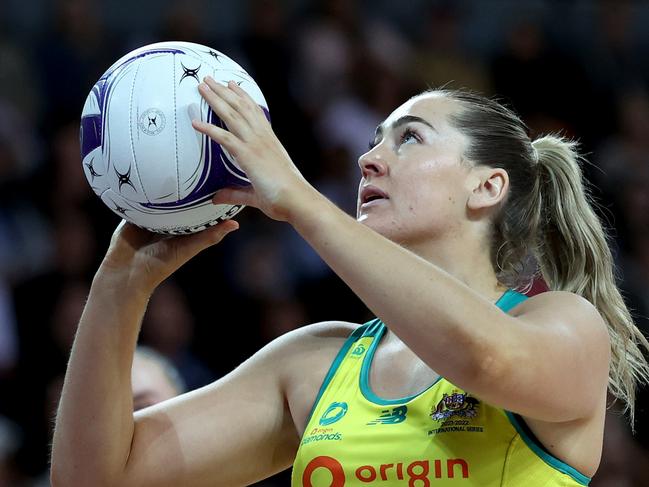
[331, 70]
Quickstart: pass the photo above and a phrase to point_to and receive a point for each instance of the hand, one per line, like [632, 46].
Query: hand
[145, 259]
[277, 185]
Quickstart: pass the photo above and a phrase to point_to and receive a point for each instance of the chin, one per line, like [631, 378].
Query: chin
[387, 229]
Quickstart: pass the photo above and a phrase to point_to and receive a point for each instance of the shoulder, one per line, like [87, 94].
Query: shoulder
[555, 302]
[306, 354]
[567, 313]
[323, 337]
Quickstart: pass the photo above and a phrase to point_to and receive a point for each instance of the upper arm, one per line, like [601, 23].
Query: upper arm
[241, 428]
[233, 432]
[555, 361]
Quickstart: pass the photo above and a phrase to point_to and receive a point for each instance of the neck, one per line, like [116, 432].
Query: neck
[467, 259]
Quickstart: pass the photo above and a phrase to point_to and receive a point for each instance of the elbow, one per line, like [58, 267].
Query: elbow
[490, 365]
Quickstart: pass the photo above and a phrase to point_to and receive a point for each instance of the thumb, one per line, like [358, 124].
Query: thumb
[236, 196]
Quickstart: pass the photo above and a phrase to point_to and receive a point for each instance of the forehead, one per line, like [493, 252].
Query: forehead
[432, 107]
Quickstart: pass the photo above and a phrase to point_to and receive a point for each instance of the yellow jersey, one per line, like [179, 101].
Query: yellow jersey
[443, 436]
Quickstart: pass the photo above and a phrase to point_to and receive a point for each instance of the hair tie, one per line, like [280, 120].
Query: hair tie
[535, 153]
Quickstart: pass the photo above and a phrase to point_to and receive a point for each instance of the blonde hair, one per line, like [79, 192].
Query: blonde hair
[548, 226]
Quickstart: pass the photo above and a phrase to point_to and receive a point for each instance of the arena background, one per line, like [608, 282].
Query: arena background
[331, 70]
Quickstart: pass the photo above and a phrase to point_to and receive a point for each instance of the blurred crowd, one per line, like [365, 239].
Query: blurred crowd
[331, 70]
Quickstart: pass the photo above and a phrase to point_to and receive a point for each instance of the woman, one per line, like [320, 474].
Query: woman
[460, 380]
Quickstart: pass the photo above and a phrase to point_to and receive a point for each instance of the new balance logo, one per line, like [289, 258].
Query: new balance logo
[394, 416]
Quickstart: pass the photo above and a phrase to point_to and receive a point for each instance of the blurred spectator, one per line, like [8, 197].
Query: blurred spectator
[154, 378]
[544, 85]
[9, 443]
[619, 456]
[326, 46]
[622, 157]
[441, 57]
[613, 51]
[69, 188]
[24, 248]
[279, 316]
[72, 55]
[269, 58]
[17, 84]
[168, 328]
[184, 21]
[45, 338]
[8, 332]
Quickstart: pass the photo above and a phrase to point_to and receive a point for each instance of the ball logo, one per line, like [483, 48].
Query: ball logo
[334, 412]
[152, 121]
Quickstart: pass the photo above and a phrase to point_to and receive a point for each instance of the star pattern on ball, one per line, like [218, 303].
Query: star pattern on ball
[123, 179]
[241, 79]
[153, 121]
[91, 169]
[189, 73]
[213, 54]
[119, 209]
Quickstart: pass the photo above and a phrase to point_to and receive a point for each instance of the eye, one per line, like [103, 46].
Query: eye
[408, 136]
[373, 143]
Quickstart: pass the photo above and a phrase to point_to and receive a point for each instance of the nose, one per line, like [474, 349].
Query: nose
[372, 164]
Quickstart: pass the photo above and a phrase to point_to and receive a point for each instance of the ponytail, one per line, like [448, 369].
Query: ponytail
[547, 225]
[573, 255]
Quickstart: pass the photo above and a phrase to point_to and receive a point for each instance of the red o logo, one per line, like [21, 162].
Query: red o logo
[330, 464]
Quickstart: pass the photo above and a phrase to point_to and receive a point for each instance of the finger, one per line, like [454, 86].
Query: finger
[241, 93]
[133, 235]
[232, 119]
[232, 98]
[224, 137]
[247, 99]
[236, 196]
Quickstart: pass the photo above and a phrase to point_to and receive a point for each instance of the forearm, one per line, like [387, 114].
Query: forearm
[434, 313]
[94, 424]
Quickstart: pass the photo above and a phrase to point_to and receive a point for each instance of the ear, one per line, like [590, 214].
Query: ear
[488, 186]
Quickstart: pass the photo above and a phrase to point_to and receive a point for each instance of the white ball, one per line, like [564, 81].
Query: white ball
[139, 151]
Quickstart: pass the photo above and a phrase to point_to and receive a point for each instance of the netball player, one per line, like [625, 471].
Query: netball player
[459, 381]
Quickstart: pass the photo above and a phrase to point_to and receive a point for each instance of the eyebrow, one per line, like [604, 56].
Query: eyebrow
[402, 121]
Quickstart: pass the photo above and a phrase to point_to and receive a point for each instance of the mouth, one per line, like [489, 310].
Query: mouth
[370, 194]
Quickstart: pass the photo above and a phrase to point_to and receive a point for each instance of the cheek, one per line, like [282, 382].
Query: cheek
[433, 189]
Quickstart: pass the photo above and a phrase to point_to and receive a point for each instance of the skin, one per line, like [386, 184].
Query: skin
[420, 253]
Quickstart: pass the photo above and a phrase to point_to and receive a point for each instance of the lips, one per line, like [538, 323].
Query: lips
[371, 193]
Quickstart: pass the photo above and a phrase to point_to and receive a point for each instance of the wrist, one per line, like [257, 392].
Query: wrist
[124, 283]
[313, 214]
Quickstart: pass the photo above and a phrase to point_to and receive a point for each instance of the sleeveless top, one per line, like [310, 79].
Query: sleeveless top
[443, 436]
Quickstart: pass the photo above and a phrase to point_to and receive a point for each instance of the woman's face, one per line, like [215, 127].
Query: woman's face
[414, 185]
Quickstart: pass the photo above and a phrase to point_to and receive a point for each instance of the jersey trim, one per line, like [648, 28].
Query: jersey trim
[510, 299]
[355, 335]
[539, 450]
[506, 302]
[366, 389]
